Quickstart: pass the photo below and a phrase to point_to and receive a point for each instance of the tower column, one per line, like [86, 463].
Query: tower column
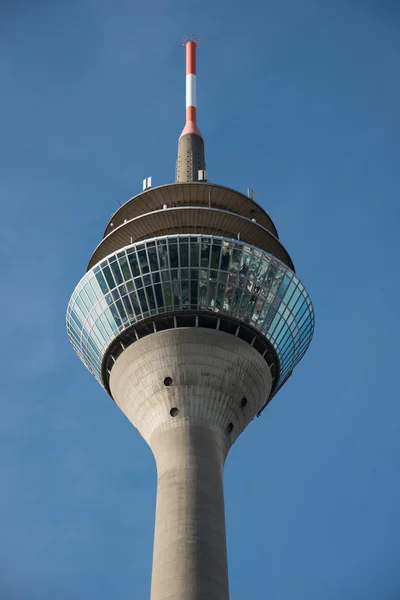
[190, 392]
[189, 557]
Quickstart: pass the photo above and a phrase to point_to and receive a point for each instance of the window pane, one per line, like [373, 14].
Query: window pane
[173, 255]
[109, 277]
[117, 273]
[185, 293]
[144, 265]
[150, 297]
[159, 296]
[167, 294]
[184, 252]
[101, 282]
[143, 301]
[205, 254]
[215, 256]
[123, 261]
[134, 264]
[163, 255]
[225, 255]
[194, 254]
[153, 259]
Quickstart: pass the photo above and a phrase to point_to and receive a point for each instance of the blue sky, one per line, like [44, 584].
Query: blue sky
[298, 100]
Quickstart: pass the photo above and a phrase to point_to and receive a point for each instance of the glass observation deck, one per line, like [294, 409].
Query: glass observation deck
[191, 274]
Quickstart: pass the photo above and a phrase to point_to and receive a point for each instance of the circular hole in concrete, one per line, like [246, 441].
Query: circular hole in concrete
[168, 381]
[230, 427]
[243, 403]
[174, 412]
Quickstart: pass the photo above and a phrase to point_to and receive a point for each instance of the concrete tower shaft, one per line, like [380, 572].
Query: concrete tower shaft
[190, 393]
[191, 144]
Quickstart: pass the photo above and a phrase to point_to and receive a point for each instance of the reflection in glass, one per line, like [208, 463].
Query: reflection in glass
[234, 278]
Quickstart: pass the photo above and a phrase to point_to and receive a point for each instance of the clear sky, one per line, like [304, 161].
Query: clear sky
[297, 100]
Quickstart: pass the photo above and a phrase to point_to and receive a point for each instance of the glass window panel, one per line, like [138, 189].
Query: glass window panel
[123, 261]
[194, 254]
[143, 301]
[215, 256]
[167, 293]
[228, 298]
[289, 291]
[159, 296]
[254, 267]
[90, 294]
[134, 264]
[244, 263]
[93, 347]
[220, 295]
[236, 259]
[212, 292]
[101, 331]
[153, 259]
[146, 280]
[273, 325]
[176, 291]
[74, 335]
[173, 254]
[185, 293]
[194, 290]
[294, 298]
[299, 306]
[156, 277]
[109, 277]
[121, 311]
[115, 314]
[203, 292]
[128, 307]
[150, 297]
[225, 255]
[243, 304]
[268, 319]
[80, 308]
[205, 254]
[271, 275]
[184, 252]
[144, 265]
[283, 287]
[277, 281]
[135, 303]
[236, 300]
[163, 255]
[165, 275]
[106, 325]
[101, 282]
[250, 306]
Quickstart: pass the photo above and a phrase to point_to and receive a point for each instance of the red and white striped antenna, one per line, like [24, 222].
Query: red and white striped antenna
[191, 42]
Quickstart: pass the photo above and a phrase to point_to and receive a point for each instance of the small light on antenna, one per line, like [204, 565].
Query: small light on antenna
[202, 175]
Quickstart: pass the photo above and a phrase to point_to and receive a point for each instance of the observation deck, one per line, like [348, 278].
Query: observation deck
[190, 255]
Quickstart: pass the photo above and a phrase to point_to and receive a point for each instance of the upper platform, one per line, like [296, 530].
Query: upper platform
[187, 208]
[193, 194]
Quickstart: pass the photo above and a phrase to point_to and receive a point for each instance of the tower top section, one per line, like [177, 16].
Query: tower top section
[191, 145]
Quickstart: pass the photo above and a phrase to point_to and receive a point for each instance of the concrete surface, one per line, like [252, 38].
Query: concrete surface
[211, 372]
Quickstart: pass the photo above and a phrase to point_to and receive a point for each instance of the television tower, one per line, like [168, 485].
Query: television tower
[191, 317]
